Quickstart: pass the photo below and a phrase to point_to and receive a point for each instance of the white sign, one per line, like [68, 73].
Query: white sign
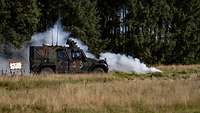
[16, 65]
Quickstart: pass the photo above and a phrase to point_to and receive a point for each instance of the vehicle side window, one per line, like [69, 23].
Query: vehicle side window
[76, 55]
[61, 55]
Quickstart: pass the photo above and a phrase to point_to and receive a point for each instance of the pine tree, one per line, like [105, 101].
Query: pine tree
[164, 31]
[19, 20]
[185, 26]
[5, 15]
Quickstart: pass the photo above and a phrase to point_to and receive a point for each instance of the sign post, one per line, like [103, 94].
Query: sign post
[15, 66]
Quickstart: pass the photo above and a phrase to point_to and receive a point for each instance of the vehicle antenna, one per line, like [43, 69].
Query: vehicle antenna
[58, 21]
[57, 36]
[52, 37]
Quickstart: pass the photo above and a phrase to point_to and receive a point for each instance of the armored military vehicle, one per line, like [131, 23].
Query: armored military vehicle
[58, 59]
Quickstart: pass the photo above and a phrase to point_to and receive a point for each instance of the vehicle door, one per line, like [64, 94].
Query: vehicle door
[77, 61]
[62, 62]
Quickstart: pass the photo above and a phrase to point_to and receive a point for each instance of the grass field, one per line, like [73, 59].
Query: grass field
[176, 90]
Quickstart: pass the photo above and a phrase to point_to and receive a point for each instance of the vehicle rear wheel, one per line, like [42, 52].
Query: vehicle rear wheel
[98, 70]
[46, 71]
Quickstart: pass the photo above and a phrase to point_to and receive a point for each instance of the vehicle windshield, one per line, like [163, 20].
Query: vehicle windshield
[78, 55]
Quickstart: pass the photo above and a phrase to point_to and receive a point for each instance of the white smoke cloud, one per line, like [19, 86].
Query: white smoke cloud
[57, 36]
[123, 63]
[3, 64]
[53, 36]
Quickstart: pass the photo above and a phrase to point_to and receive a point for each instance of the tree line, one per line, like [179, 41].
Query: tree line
[156, 31]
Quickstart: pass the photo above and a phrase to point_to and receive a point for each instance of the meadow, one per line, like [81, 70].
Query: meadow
[175, 90]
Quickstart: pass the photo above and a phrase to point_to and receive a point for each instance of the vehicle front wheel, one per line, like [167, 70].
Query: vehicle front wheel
[98, 70]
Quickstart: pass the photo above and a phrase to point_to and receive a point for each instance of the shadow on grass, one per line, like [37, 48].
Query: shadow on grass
[134, 75]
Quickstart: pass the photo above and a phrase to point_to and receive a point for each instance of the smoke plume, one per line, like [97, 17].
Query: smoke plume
[57, 36]
[123, 63]
[54, 36]
[3, 63]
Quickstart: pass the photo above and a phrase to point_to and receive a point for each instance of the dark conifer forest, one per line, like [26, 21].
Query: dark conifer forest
[156, 31]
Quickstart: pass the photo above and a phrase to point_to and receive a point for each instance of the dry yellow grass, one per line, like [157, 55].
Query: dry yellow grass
[100, 93]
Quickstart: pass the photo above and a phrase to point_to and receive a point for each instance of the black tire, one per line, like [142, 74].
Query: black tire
[46, 71]
[98, 70]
